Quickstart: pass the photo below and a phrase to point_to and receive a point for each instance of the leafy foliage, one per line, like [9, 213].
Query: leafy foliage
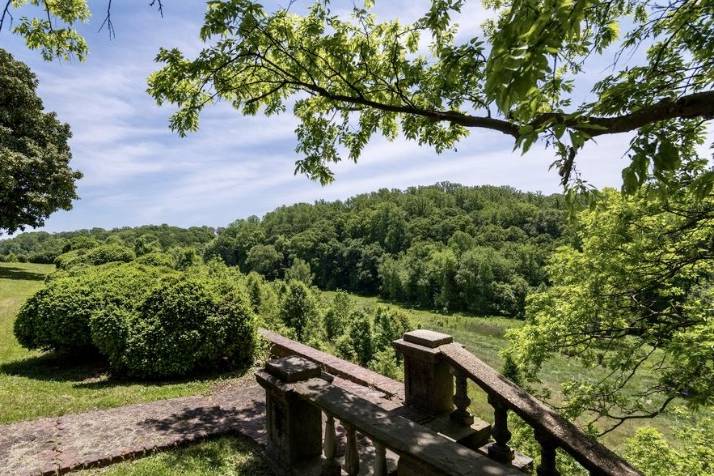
[337, 314]
[52, 25]
[101, 254]
[348, 77]
[35, 176]
[186, 323]
[298, 307]
[361, 336]
[43, 247]
[148, 321]
[637, 294]
[649, 451]
[57, 317]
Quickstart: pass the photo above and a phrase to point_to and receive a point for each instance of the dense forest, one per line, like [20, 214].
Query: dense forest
[445, 246]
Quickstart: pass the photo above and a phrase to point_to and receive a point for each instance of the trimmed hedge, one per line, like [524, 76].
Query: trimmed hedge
[184, 325]
[102, 254]
[57, 317]
[149, 321]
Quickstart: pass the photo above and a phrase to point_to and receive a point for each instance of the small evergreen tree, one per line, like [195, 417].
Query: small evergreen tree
[389, 325]
[336, 315]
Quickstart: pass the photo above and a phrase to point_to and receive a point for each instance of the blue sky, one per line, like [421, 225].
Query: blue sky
[138, 172]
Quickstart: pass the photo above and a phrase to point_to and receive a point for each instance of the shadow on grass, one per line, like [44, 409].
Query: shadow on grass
[54, 367]
[9, 272]
[233, 454]
[91, 371]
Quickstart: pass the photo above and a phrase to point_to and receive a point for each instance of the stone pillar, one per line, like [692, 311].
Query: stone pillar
[294, 426]
[428, 382]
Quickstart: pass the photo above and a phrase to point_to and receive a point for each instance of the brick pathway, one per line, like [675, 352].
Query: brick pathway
[50, 446]
[97, 438]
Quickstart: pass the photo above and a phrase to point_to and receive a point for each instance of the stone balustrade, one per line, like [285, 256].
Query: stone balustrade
[297, 397]
[426, 427]
[432, 360]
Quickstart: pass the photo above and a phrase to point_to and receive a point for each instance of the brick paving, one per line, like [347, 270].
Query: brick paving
[51, 446]
[58, 445]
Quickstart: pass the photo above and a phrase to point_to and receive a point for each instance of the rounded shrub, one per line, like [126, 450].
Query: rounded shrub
[102, 254]
[57, 317]
[185, 324]
[157, 259]
[109, 253]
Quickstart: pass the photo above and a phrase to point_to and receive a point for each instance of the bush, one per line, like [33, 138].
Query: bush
[185, 257]
[299, 270]
[361, 336]
[57, 317]
[108, 254]
[385, 363]
[297, 307]
[336, 315]
[389, 326]
[102, 254]
[157, 259]
[185, 324]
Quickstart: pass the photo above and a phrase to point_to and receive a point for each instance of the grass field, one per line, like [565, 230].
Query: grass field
[33, 385]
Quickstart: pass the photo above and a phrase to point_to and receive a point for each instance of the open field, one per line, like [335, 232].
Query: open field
[34, 385]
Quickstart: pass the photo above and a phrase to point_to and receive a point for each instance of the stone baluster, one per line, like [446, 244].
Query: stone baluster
[548, 446]
[500, 451]
[461, 400]
[380, 459]
[331, 465]
[351, 451]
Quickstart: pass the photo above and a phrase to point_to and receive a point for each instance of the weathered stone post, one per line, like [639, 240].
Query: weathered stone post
[429, 386]
[294, 426]
[428, 383]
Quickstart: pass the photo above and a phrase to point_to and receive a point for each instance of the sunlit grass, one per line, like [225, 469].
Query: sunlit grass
[222, 456]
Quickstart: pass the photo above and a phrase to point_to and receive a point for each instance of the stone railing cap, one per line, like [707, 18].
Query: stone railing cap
[428, 338]
[292, 369]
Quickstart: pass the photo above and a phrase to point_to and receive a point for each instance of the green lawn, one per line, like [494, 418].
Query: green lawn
[222, 456]
[33, 384]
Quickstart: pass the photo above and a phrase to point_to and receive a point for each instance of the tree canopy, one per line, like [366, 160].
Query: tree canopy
[349, 77]
[35, 176]
[444, 246]
[51, 25]
[637, 294]
[43, 247]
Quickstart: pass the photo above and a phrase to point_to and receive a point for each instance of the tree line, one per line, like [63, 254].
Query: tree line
[446, 246]
[44, 248]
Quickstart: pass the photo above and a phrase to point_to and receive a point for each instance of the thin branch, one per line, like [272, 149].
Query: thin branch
[6, 14]
[108, 21]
